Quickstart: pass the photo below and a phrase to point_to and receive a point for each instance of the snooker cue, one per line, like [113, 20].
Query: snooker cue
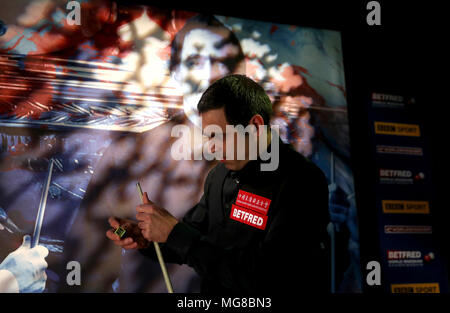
[158, 250]
[42, 205]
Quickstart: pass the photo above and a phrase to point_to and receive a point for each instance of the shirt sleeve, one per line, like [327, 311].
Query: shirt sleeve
[295, 229]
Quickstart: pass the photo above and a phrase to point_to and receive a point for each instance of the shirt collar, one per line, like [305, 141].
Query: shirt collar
[252, 170]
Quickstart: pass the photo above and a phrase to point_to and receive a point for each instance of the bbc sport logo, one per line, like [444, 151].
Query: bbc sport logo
[405, 207]
[415, 288]
[397, 129]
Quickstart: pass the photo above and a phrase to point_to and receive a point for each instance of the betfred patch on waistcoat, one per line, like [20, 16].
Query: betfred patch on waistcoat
[248, 217]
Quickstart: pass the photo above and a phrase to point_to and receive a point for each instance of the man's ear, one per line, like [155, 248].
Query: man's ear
[258, 121]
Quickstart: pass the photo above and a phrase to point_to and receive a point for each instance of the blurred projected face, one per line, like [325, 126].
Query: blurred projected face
[205, 57]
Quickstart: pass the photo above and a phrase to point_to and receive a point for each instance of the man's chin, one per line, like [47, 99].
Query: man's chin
[227, 164]
[232, 166]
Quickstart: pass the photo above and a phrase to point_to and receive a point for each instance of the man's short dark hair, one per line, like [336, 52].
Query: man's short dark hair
[240, 96]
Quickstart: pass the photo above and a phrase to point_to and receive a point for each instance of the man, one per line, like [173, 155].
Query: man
[253, 230]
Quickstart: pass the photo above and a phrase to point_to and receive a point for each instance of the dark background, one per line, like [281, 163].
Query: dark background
[405, 56]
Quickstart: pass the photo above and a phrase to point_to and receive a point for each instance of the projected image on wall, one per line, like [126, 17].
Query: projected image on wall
[87, 111]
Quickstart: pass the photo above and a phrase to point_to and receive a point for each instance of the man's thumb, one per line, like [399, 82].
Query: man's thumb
[146, 199]
[26, 241]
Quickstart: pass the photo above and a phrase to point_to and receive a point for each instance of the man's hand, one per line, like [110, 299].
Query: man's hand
[127, 243]
[155, 223]
[28, 266]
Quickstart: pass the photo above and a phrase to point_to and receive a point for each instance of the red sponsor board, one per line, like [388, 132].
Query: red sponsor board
[248, 217]
[253, 202]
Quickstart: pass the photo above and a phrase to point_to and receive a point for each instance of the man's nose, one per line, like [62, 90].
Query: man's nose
[213, 148]
[218, 70]
[204, 75]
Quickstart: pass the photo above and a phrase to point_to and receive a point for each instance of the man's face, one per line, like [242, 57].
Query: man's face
[218, 142]
[205, 57]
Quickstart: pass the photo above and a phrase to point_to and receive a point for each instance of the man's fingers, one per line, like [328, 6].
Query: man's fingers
[143, 225]
[146, 208]
[117, 241]
[146, 199]
[43, 276]
[134, 245]
[110, 234]
[124, 242]
[26, 241]
[144, 217]
[42, 266]
[127, 243]
[113, 222]
[43, 251]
